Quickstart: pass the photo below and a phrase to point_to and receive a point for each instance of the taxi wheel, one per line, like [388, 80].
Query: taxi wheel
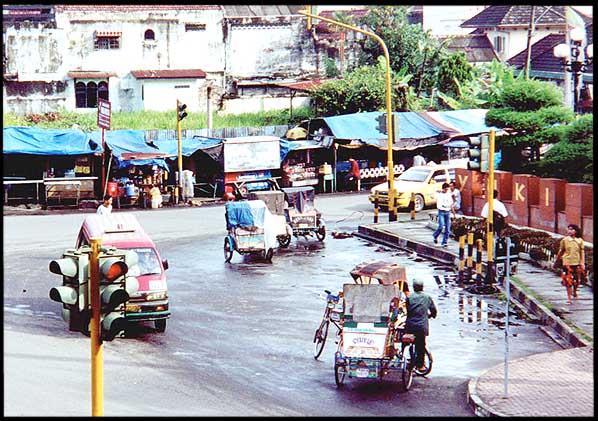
[160, 325]
[419, 203]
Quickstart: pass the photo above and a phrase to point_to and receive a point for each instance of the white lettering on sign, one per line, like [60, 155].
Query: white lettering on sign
[104, 114]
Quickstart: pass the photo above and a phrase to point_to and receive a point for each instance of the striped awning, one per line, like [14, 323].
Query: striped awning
[112, 34]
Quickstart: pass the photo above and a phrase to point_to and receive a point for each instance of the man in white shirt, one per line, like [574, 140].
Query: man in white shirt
[456, 197]
[498, 215]
[444, 204]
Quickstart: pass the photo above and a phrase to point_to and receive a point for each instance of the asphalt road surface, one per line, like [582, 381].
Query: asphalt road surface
[239, 341]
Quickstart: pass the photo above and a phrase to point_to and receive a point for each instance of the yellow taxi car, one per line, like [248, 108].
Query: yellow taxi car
[423, 181]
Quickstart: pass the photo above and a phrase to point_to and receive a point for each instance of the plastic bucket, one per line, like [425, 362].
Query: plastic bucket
[112, 189]
[130, 191]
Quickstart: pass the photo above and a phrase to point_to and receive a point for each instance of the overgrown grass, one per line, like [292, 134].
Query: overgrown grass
[148, 120]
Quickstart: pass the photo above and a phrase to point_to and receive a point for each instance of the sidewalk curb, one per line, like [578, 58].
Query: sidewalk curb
[480, 409]
[545, 315]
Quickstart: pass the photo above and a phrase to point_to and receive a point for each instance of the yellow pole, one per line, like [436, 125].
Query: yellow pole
[490, 220]
[392, 212]
[178, 193]
[97, 357]
[308, 8]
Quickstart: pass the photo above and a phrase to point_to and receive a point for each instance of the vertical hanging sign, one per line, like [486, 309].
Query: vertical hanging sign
[103, 114]
[104, 123]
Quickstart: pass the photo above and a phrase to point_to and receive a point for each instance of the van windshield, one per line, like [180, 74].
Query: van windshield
[148, 262]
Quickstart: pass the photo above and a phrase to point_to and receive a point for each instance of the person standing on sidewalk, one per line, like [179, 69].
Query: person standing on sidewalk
[456, 193]
[572, 253]
[444, 204]
[420, 307]
[499, 213]
[353, 176]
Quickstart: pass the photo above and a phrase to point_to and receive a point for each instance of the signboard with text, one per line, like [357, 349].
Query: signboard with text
[103, 114]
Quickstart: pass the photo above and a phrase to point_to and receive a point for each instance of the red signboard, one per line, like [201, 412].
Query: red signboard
[103, 114]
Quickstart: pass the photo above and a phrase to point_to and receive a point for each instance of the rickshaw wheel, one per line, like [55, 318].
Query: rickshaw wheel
[284, 240]
[268, 255]
[320, 338]
[428, 360]
[228, 250]
[339, 374]
[407, 378]
[321, 233]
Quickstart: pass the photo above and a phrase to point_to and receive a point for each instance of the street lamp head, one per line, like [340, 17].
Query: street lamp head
[561, 51]
[577, 34]
[590, 52]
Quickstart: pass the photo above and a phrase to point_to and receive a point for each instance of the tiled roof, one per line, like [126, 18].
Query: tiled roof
[169, 74]
[519, 15]
[476, 47]
[542, 55]
[132, 7]
[306, 85]
[263, 10]
[90, 74]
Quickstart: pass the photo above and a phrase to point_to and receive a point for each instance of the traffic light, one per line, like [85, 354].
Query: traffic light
[382, 123]
[181, 113]
[115, 289]
[478, 153]
[74, 291]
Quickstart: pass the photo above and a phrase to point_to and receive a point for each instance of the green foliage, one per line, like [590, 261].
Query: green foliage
[364, 89]
[409, 46]
[330, 68]
[572, 158]
[530, 95]
[454, 70]
[528, 121]
[482, 90]
[147, 120]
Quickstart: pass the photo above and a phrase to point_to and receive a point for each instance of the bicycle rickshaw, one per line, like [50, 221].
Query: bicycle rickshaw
[373, 341]
[304, 218]
[249, 231]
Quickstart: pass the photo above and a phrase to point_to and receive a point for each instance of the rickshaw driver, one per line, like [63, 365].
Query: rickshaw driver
[420, 307]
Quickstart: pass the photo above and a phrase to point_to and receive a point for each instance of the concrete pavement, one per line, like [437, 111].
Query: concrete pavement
[556, 383]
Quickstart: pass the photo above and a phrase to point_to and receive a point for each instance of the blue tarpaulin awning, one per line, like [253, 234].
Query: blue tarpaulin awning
[287, 146]
[36, 141]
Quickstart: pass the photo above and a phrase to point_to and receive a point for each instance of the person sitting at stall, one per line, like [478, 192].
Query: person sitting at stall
[156, 197]
[353, 176]
[106, 207]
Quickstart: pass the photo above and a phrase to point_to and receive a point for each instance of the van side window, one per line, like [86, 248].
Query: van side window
[439, 176]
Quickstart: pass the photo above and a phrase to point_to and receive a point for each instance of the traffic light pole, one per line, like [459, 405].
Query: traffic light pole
[97, 357]
[179, 186]
[392, 209]
[490, 219]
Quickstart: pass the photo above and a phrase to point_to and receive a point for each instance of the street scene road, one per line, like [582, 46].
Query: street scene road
[239, 341]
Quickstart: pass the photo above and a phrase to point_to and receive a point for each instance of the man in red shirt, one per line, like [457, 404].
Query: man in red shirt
[353, 175]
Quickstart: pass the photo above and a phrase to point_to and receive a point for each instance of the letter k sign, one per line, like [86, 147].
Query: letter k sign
[518, 192]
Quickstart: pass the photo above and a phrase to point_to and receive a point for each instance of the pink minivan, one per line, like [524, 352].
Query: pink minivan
[123, 231]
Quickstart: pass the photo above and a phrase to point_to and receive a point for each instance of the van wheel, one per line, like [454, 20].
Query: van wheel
[160, 325]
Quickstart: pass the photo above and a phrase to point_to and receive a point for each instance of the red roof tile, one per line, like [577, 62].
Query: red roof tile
[90, 74]
[169, 74]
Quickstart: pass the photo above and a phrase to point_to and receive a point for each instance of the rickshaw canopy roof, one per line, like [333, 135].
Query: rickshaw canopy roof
[368, 303]
[387, 273]
[301, 198]
[247, 213]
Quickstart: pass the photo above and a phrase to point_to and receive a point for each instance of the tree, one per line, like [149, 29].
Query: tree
[528, 111]
[454, 70]
[571, 158]
[364, 89]
[409, 46]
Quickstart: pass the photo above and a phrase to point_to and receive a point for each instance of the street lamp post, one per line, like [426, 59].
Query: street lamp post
[575, 60]
[392, 209]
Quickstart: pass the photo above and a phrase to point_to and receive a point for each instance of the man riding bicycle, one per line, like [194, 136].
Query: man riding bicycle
[420, 307]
